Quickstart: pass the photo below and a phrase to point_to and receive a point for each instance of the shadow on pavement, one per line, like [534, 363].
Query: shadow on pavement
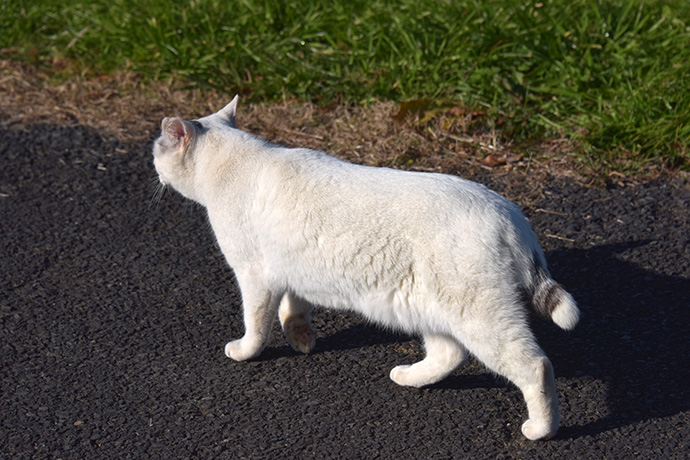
[633, 335]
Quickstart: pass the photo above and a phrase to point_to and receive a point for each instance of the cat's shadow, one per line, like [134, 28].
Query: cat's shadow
[633, 336]
[356, 334]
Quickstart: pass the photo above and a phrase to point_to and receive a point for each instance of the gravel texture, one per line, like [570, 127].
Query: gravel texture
[114, 312]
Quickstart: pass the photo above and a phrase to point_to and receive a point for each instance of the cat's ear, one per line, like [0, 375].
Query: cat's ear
[177, 132]
[228, 112]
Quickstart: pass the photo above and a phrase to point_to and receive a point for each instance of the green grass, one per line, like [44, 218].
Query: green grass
[615, 75]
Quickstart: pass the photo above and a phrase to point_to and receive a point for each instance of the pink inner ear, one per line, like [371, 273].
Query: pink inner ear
[174, 130]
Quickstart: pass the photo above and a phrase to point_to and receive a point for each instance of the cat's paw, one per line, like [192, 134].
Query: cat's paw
[240, 351]
[539, 430]
[403, 376]
[299, 334]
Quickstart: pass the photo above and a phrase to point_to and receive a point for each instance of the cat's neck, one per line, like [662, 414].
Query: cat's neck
[230, 165]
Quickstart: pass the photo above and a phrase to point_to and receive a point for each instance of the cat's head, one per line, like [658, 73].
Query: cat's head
[181, 142]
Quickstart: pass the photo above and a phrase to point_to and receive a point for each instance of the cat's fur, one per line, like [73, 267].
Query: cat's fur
[428, 254]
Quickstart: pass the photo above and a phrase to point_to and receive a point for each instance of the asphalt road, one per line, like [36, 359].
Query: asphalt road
[114, 314]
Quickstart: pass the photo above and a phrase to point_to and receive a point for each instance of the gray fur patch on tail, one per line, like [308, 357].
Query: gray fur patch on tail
[545, 300]
[544, 294]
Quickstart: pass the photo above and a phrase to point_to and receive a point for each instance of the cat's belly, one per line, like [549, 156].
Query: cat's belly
[398, 304]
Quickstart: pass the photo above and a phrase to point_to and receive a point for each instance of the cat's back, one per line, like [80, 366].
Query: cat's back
[319, 183]
[311, 172]
[317, 168]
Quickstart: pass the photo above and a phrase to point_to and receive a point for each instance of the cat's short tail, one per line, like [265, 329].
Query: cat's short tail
[548, 299]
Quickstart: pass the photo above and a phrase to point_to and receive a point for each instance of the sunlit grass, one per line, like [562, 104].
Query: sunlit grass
[613, 74]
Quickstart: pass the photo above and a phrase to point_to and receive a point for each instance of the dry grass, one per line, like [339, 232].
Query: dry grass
[451, 141]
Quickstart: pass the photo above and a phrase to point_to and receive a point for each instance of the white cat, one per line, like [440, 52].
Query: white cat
[428, 254]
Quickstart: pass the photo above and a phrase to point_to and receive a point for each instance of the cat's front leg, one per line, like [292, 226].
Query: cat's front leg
[295, 319]
[259, 306]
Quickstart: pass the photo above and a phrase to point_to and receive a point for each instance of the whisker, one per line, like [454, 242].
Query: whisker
[157, 194]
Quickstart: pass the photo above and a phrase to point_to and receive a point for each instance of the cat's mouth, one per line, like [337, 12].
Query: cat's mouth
[161, 178]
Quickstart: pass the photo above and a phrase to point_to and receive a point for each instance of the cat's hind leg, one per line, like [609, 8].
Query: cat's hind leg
[506, 345]
[295, 319]
[259, 305]
[542, 403]
[443, 355]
